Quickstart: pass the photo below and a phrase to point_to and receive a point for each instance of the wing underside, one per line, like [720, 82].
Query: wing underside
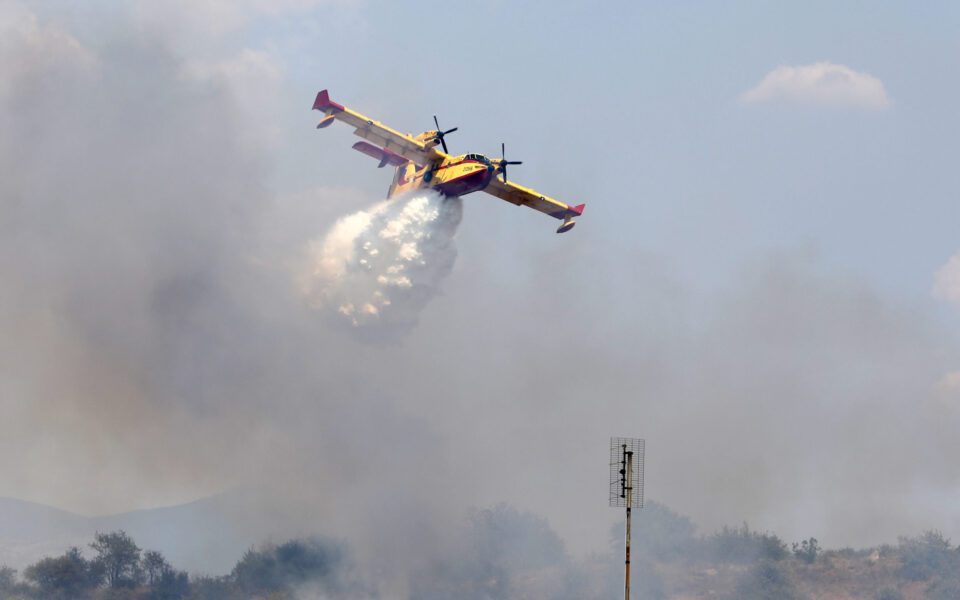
[384, 156]
[519, 195]
[376, 132]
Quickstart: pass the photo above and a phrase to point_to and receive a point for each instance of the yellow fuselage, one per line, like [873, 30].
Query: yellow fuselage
[453, 176]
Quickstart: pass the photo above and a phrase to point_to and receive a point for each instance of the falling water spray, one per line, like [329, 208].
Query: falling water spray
[376, 269]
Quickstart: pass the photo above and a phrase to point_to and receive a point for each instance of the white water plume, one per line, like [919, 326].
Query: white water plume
[376, 269]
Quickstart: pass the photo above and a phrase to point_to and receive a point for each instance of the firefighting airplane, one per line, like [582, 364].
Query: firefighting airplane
[420, 165]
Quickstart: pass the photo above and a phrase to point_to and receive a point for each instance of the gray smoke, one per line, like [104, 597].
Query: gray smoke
[127, 203]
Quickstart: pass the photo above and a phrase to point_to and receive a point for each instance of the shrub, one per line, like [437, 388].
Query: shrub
[658, 533]
[927, 556]
[765, 581]
[295, 563]
[807, 550]
[889, 593]
[743, 546]
[69, 576]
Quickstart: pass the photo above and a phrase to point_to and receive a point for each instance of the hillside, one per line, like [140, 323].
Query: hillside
[209, 534]
[913, 570]
[500, 554]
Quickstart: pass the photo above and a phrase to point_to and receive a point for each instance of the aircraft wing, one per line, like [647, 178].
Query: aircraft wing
[376, 132]
[518, 195]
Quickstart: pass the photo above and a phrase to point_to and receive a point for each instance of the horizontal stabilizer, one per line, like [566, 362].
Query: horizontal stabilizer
[384, 156]
[568, 212]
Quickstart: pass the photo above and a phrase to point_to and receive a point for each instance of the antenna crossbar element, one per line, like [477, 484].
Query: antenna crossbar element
[626, 487]
[626, 472]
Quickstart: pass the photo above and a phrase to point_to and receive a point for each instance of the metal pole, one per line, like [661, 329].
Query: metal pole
[629, 490]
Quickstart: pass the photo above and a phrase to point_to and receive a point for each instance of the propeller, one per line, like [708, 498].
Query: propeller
[440, 134]
[504, 162]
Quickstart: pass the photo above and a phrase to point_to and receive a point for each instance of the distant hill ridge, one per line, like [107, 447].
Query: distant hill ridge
[205, 535]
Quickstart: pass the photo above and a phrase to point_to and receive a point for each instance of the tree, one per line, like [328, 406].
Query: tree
[929, 555]
[205, 587]
[172, 585]
[119, 557]
[154, 566]
[9, 587]
[316, 562]
[64, 577]
[807, 550]
[8, 579]
[257, 571]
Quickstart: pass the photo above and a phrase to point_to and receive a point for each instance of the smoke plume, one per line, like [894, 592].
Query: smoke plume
[375, 270]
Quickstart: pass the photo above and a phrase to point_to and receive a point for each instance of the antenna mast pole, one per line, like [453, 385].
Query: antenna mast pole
[629, 492]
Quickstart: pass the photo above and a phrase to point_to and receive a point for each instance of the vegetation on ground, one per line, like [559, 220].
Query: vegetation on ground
[504, 554]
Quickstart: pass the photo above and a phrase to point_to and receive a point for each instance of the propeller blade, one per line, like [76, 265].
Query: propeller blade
[504, 162]
[441, 133]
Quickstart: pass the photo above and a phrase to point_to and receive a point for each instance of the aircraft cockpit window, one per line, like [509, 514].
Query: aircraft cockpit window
[477, 157]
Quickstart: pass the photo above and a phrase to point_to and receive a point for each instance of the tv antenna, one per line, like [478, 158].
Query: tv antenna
[626, 486]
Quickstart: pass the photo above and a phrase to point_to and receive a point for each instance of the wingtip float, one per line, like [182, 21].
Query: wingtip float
[420, 165]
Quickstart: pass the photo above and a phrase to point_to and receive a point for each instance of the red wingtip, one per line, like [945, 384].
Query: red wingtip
[323, 99]
[324, 103]
[577, 209]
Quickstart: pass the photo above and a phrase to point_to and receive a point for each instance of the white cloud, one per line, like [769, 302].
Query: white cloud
[821, 84]
[946, 281]
[218, 17]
